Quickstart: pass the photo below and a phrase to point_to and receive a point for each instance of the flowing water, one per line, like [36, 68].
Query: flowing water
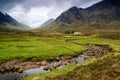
[90, 53]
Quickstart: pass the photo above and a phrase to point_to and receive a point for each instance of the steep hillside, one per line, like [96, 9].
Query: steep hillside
[5, 18]
[103, 15]
[48, 22]
[7, 22]
[98, 14]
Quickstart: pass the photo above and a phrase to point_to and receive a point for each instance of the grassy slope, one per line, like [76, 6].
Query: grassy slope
[34, 48]
[10, 27]
[104, 68]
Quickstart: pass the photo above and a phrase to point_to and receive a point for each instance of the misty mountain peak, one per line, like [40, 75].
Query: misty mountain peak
[74, 8]
[104, 11]
[48, 22]
[7, 19]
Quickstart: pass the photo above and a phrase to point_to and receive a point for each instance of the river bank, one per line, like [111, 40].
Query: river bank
[24, 69]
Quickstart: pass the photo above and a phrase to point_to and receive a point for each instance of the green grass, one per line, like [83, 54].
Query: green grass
[110, 34]
[35, 48]
[114, 44]
[88, 41]
[104, 68]
[52, 74]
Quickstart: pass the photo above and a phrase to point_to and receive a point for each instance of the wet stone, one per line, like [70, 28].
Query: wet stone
[33, 68]
[46, 68]
[43, 63]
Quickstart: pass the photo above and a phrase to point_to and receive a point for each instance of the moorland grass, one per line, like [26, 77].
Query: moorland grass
[35, 48]
[114, 44]
[103, 68]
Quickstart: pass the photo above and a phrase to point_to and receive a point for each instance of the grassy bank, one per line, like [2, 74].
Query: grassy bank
[35, 48]
[106, 67]
[114, 44]
[102, 69]
[53, 73]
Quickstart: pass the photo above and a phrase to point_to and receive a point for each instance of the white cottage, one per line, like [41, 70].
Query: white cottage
[77, 32]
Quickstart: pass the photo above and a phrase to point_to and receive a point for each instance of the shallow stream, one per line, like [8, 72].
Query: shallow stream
[90, 53]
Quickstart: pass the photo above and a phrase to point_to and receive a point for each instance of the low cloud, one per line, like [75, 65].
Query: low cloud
[36, 12]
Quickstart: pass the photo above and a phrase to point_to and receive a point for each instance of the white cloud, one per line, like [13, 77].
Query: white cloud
[34, 14]
[34, 17]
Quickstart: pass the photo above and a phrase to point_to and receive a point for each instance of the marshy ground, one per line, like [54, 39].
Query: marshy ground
[28, 52]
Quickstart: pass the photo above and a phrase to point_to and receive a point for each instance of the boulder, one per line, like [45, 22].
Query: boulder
[46, 68]
[43, 63]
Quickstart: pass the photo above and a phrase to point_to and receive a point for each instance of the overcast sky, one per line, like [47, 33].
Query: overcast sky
[36, 12]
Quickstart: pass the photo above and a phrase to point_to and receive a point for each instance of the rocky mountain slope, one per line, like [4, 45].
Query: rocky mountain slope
[5, 18]
[7, 22]
[48, 22]
[102, 15]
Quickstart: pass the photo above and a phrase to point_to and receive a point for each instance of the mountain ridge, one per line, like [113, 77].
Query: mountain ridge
[6, 19]
[47, 22]
[104, 15]
[109, 10]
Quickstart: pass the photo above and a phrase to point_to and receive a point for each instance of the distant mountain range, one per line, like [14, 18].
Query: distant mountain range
[7, 22]
[48, 22]
[5, 18]
[104, 10]
[102, 15]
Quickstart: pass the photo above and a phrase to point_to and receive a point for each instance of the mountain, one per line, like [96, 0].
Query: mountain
[99, 13]
[102, 15]
[6, 21]
[48, 22]
[5, 18]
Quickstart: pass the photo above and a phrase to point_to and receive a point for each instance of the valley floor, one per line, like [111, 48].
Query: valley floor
[103, 68]
[37, 48]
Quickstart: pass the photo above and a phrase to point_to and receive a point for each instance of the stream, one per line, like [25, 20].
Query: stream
[92, 51]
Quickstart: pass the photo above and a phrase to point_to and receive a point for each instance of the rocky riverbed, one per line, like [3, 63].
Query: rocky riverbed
[19, 70]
